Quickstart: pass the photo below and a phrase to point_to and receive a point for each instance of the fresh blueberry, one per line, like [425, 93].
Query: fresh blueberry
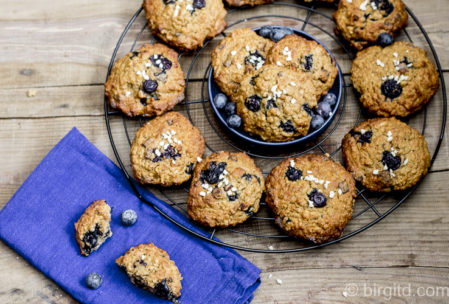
[279, 33]
[392, 162]
[391, 88]
[252, 103]
[330, 98]
[265, 31]
[316, 122]
[318, 198]
[293, 174]
[93, 280]
[198, 4]
[287, 126]
[308, 62]
[220, 101]
[230, 108]
[385, 39]
[324, 109]
[234, 121]
[149, 86]
[128, 217]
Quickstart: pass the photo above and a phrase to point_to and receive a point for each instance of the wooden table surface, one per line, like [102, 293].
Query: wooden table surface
[59, 51]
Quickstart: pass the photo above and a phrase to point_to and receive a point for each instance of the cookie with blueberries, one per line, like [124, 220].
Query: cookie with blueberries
[243, 52]
[385, 154]
[226, 190]
[146, 82]
[247, 2]
[307, 56]
[276, 103]
[165, 150]
[311, 197]
[397, 80]
[92, 229]
[185, 24]
[365, 22]
[150, 268]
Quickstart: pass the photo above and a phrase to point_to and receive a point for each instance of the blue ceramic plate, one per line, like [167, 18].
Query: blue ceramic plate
[337, 89]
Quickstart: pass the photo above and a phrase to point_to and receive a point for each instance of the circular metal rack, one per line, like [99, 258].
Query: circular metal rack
[260, 230]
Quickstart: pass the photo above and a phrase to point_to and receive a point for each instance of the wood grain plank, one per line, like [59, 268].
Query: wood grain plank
[75, 49]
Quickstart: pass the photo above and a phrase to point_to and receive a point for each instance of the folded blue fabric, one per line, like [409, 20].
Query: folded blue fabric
[38, 222]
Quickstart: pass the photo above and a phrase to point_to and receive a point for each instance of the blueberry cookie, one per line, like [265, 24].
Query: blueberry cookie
[363, 22]
[276, 103]
[92, 229]
[150, 268]
[311, 196]
[165, 150]
[306, 56]
[146, 82]
[385, 154]
[185, 24]
[247, 2]
[241, 52]
[394, 81]
[226, 190]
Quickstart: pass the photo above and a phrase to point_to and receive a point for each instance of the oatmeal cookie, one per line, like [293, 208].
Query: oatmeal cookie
[385, 154]
[311, 196]
[394, 81]
[242, 52]
[361, 22]
[92, 229]
[146, 82]
[185, 24]
[306, 56]
[150, 268]
[226, 190]
[165, 150]
[276, 102]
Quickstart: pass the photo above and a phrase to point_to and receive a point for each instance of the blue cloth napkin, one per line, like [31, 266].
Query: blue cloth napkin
[38, 222]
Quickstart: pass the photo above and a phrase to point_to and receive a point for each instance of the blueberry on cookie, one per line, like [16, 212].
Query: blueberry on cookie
[311, 196]
[226, 190]
[92, 229]
[385, 154]
[150, 268]
[165, 150]
[146, 82]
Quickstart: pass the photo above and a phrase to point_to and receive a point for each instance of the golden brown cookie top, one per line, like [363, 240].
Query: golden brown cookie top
[226, 190]
[241, 52]
[307, 56]
[247, 2]
[185, 24]
[166, 149]
[150, 268]
[385, 154]
[275, 103]
[92, 228]
[362, 21]
[311, 196]
[146, 82]
[394, 81]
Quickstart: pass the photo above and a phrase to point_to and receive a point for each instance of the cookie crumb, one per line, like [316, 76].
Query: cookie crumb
[279, 281]
[31, 93]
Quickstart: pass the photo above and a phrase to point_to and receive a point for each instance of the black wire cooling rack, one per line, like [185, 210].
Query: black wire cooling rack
[260, 230]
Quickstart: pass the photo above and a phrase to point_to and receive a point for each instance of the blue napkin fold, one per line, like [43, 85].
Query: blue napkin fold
[38, 222]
